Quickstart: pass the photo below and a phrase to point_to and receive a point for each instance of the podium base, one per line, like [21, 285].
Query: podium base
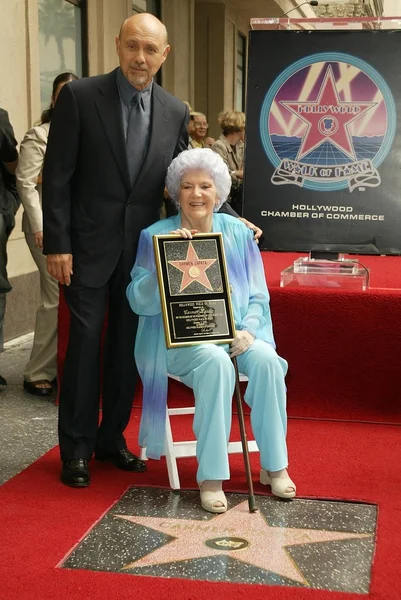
[339, 273]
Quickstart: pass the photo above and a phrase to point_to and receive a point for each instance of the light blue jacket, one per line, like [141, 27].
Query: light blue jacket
[250, 299]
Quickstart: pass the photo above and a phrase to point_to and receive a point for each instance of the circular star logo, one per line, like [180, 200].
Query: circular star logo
[327, 122]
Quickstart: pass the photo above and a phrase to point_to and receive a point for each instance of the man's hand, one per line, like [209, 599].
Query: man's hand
[256, 230]
[60, 267]
[39, 239]
[241, 343]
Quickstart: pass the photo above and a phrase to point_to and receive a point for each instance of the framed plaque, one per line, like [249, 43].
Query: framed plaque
[194, 289]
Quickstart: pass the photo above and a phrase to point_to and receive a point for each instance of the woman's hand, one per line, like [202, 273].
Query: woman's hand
[185, 233]
[39, 239]
[241, 343]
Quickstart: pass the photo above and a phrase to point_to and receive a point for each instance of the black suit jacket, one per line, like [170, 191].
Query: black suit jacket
[89, 206]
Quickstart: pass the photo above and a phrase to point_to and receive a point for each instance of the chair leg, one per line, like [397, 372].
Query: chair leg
[170, 457]
[173, 449]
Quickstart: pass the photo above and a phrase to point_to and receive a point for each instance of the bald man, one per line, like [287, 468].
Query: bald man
[111, 140]
[95, 205]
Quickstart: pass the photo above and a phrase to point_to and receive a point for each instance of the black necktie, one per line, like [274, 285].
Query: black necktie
[136, 136]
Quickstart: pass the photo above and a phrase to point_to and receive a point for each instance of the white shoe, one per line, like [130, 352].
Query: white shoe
[214, 502]
[283, 487]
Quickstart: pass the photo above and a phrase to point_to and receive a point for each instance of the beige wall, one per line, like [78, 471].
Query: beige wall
[216, 28]
[234, 24]
[178, 73]
[104, 21]
[17, 96]
[209, 60]
[13, 81]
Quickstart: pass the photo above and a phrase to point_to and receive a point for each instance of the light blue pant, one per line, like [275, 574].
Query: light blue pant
[208, 369]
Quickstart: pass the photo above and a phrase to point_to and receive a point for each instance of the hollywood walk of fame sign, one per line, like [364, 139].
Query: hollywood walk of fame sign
[323, 141]
[194, 289]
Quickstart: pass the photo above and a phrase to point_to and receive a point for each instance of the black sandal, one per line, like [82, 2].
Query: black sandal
[33, 387]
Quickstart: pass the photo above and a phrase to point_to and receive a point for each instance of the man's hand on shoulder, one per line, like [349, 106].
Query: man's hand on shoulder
[60, 267]
[256, 230]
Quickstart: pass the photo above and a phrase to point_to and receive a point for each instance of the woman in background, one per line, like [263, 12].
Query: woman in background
[230, 146]
[41, 369]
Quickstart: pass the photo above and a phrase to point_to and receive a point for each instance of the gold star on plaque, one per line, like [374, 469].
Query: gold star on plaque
[193, 269]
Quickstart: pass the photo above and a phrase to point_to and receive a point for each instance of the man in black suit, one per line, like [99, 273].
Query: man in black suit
[111, 140]
[9, 203]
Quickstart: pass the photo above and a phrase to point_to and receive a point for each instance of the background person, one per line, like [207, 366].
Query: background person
[41, 368]
[199, 181]
[197, 129]
[230, 146]
[9, 203]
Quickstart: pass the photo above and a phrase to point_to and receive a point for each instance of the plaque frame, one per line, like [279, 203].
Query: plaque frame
[209, 299]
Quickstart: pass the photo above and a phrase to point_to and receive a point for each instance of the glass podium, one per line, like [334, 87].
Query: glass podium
[326, 270]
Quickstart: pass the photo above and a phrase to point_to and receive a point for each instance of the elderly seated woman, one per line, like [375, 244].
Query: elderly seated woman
[199, 182]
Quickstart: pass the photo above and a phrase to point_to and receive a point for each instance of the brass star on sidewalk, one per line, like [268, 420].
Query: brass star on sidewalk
[239, 534]
[193, 269]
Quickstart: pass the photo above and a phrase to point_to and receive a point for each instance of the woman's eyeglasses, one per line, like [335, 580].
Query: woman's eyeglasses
[199, 125]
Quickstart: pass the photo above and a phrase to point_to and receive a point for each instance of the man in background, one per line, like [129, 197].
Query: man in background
[8, 207]
[197, 129]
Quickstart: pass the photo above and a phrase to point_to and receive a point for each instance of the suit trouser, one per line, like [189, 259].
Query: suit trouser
[208, 369]
[43, 361]
[6, 227]
[79, 433]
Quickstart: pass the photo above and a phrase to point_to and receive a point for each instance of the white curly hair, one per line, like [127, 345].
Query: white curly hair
[202, 159]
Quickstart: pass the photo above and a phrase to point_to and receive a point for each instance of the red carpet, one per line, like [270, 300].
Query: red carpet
[41, 520]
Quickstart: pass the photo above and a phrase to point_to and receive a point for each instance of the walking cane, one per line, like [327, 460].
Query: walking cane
[244, 442]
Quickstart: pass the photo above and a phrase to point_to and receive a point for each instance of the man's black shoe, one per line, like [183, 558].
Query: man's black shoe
[123, 459]
[2, 381]
[75, 472]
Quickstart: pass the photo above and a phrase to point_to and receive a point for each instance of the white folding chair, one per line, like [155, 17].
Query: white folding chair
[174, 450]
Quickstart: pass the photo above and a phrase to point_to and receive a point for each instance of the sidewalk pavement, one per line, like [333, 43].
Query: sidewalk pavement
[28, 424]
